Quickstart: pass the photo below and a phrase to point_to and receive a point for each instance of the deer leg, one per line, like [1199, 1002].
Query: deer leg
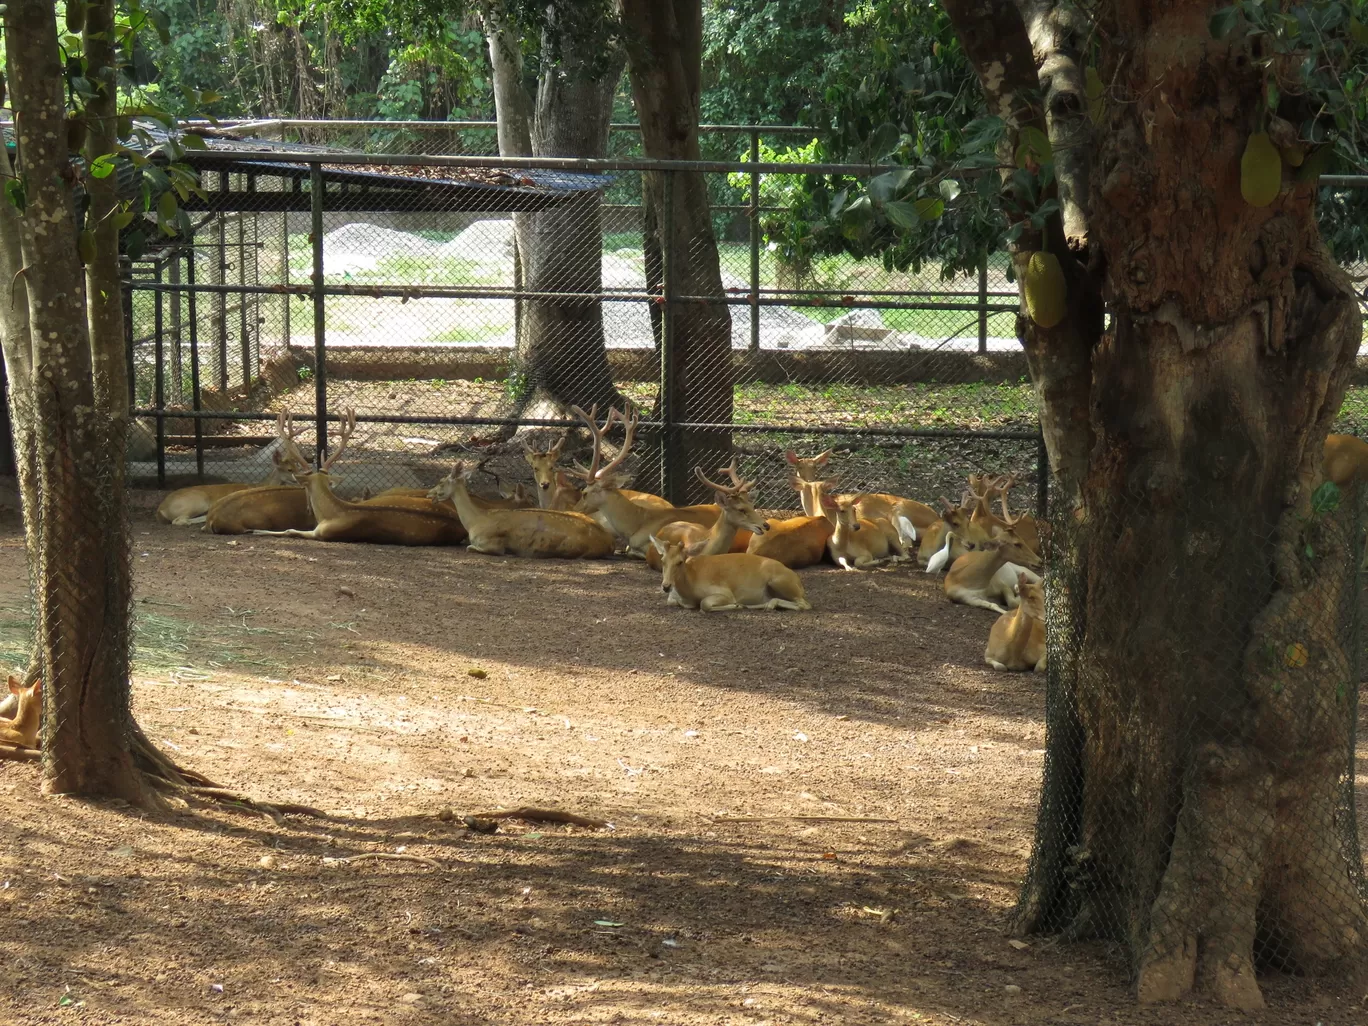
[719, 603]
[981, 603]
[994, 663]
[845, 563]
[187, 521]
[291, 532]
[779, 603]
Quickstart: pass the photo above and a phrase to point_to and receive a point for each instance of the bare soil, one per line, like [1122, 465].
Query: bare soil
[445, 680]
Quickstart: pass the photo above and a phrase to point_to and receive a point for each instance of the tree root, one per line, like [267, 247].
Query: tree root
[532, 816]
[167, 777]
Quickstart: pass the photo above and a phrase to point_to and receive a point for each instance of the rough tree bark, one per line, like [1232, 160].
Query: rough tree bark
[561, 346]
[82, 599]
[1201, 707]
[665, 65]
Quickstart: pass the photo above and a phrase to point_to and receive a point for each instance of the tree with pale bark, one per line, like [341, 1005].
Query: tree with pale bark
[64, 351]
[1197, 805]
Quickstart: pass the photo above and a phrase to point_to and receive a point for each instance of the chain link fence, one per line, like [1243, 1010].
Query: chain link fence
[462, 302]
[1226, 711]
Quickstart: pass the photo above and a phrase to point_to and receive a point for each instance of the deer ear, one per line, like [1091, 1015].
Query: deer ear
[38, 686]
[821, 460]
[791, 456]
[15, 686]
[657, 545]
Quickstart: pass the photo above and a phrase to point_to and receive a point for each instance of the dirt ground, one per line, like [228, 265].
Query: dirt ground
[441, 679]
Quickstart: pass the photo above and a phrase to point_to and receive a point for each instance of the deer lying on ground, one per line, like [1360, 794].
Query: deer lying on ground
[190, 505]
[548, 533]
[22, 731]
[870, 505]
[733, 531]
[796, 541]
[264, 508]
[395, 522]
[1017, 639]
[950, 537]
[984, 490]
[977, 578]
[731, 580]
[857, 543]
[555, 490]
[603, 490]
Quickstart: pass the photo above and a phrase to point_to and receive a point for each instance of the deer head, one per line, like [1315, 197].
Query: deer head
[735, 499]
[671, 559]
[543, 464]
[599, 477]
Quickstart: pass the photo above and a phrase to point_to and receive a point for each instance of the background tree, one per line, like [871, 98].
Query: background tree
[665, 51]
[1162, 158]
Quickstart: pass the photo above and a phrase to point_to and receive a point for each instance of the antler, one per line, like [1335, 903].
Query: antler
[591, 422]
[287, 433]
[1007, 517]
[950, 507]
[735, 488]
[344, 433]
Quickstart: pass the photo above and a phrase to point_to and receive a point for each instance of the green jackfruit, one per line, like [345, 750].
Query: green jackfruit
[1044, 288]
[1260, 171]
[75, 15]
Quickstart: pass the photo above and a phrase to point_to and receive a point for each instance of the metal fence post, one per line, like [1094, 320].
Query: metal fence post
[192, 315]
[173, 276]
[319, 312]
[219, 276]
[755, 244]
[668, 413]
[983, 306]
[159, 375]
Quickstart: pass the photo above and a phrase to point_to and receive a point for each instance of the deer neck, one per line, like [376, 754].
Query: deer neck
[808, 503]
[467, 509]
[626, 517]
[322, 501]
[720, 536]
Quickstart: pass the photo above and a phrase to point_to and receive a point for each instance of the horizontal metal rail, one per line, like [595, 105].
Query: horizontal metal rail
[755, 429]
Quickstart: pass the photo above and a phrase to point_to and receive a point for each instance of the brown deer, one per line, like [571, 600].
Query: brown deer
[554, 534]
[857, 543]
[733, 531]
[555, 490]
[190, 505]
[951, 536]
[977, 578]
[22, 730]
[1345, 459]
[1017, 639]
[730, 580]
[984, 489]
[603, 490]
[397, 522]
[807, 468]
[869, 505]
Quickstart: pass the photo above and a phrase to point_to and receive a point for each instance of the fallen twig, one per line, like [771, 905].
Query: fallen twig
[804, 819]
[542, 816]
[20, 754]
[387, 857]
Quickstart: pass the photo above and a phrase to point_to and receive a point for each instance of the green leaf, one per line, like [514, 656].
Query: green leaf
[1357, 31]
[1223, 21]
[883, 141]
[167, 206]
[194, 142]
[123, 219]
[1033, 142]
[134, 245]
[930, 207]
[607, 922]
[902, 214]
[1316, 163]
[981, 134]
[884, 187]
[102, 166]
[162, 24]
[949, 189]
[1326, 498]
[838, 202]
[16, 193]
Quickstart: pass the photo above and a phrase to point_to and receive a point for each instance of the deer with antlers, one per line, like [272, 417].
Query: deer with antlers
[990, 573]
[908, 516]
[397, 521]
[953, 534]
[603, 489]
[1017, 639]
[555, 489]
[730, 580]
[547, 533]
[733, 531]
[265, 507]
[984, 489]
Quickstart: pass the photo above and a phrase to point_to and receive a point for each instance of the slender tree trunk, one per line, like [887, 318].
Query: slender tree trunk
[665, 63]
[562, 348]
[18, 354]
[83, 610]
[1198, 801]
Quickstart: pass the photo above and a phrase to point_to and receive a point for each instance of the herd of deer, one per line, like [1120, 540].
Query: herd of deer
[716, 556]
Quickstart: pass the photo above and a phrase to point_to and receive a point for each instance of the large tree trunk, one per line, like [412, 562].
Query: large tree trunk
[82, 603]
[561, 348]
[1197, 804]
[665, 64]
